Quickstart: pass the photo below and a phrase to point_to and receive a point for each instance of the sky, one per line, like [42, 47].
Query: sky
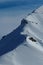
[13, 11]
[14, 3]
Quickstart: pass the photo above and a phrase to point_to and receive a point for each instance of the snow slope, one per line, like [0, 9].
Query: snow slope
[35, 24]
[30, 52]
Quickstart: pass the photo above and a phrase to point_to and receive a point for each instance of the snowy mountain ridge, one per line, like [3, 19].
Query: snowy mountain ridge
[24, 46]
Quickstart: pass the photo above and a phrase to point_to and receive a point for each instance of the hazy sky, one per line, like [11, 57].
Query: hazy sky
[14, 3]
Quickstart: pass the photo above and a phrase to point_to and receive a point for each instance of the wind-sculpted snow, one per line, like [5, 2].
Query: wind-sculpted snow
[24, 46]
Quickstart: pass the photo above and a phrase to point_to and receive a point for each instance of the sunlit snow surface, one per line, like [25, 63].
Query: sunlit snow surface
[31, 51]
